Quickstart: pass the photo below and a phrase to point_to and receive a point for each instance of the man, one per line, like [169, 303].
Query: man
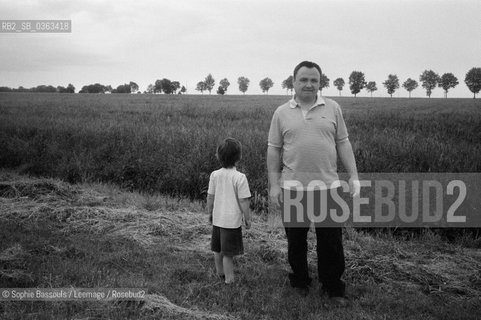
[306, 135]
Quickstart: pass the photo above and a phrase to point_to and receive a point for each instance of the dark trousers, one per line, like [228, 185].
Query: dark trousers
[330, 253]
[330, 258]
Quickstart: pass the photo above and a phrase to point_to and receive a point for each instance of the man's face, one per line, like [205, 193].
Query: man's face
[306, 83]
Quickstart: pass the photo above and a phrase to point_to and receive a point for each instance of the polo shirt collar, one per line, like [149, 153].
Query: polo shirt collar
[319, 101]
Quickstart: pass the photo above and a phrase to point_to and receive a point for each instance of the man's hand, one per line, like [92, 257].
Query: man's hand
[248, 224]
[275, 195]
[274, 174]
[354, 187]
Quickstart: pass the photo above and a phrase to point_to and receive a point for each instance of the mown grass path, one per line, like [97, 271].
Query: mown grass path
[54, 234]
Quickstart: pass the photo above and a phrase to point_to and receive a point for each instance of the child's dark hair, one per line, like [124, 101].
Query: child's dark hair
[229, 152]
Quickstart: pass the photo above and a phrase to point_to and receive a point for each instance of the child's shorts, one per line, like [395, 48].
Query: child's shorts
[227, 241]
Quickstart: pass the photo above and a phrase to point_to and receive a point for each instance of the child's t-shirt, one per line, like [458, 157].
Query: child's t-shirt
[223, 184]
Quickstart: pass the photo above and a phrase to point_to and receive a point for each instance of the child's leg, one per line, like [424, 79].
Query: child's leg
[218, 263]
[228, 263]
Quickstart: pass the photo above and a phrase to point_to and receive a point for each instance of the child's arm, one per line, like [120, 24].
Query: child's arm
[244, 205]
[210, 206]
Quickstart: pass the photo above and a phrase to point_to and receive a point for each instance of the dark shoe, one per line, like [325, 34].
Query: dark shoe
[295, 283]
[334, 290]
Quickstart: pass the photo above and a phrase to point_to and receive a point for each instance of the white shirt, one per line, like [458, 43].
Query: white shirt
[224, 184]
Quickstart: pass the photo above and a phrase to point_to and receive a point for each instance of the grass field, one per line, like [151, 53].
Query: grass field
[139, 163]
[166, 144]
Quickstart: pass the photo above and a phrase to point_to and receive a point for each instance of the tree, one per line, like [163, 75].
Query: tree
[323, 82]
[166, 86]
[150, 89]
[288, 84]
[410, 85]
[183, 90]
[243, 83]
[339, 83]
[201, 86]
[430, 80]
[448, 81]
[158, 86]
[266, 84]
[70, 88]
[209, 82]
[224, 83]
[371, 87]
[123, 88]
[21, 89]
[44, 88]
[95, 88]
[356, 82]
[220, 90]
[175, 86]
[134, 87]
[473, 80]
[391, 84]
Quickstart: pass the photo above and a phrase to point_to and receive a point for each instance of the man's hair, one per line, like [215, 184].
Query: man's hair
[307, 64]
[229, 152]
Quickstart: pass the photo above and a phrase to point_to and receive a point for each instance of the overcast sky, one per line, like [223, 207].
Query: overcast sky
[114, 42]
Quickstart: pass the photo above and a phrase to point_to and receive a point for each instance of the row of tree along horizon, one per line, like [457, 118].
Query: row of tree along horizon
[429, 81]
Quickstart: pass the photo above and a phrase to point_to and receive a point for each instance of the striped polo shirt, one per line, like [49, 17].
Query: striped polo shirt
[308, 142]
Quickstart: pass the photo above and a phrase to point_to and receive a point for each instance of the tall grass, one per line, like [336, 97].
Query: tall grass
[166, 144]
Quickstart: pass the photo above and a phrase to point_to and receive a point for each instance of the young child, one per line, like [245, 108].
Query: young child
[228, 203]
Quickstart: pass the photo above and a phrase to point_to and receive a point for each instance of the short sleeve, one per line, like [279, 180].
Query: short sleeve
[275, 132]
[243, 188]
[211, 189]
[341, 132]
